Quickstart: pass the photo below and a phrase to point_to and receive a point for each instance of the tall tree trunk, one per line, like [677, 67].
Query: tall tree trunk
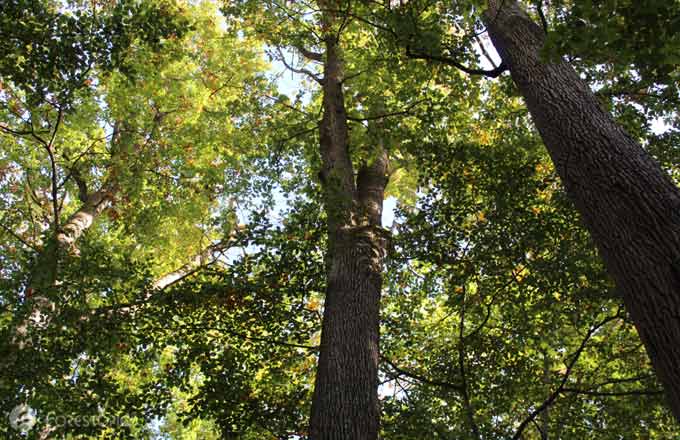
[345, 404]
[629, 205]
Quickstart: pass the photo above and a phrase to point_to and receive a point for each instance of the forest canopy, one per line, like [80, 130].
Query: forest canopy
[339, 219]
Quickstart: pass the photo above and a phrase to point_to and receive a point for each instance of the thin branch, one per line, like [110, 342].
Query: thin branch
[282, 142]
[345, 21]
[623, 380]
[551, 398]
[53, 164]
[78, 158]
[8, 130]
[485, 53]
[271, 341]
[419, 378]
[639, 95]
[18, 237]
[311, 75]
[353, 75]
[488, 310]
[366, 21]
[34, 133]
[541, 15]
[284, 104]
[371, 67]
[406, 111]
[613, 393]
[313, 56]
[539, 429]
[494, 73]
[295, 18]
[33, 194]
[202, 260]
[298, 134]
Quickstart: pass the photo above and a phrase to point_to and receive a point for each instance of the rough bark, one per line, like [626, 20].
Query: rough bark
[345, 404]
[627, 202]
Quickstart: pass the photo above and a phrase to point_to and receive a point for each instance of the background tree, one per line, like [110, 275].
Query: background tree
[125, 143]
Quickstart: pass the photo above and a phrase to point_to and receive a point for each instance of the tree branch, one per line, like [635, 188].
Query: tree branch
[313, 56]
[485, 53]
[259, 339]
[8, 130]
[613, 393]
[306, 72]
[551, 398]
[495, 73]
[18, 237]
[541, 15]
[437, 383]
[406, 111]
[53, 164]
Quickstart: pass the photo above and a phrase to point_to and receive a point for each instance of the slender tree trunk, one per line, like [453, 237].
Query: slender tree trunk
[629, 205]
[45, 273]
[345, 404]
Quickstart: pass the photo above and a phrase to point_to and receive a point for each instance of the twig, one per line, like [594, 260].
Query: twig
[541, 15]
[18, 237]
[613, 393]
[301, 71]
[406, 111]
[419, 378]
[494, 73]
[551, 398]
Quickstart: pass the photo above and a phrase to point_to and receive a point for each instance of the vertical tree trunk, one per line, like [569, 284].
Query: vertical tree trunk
[629, 205]
[345, 403]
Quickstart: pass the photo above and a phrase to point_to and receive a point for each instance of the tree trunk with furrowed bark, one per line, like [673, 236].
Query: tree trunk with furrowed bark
[345, 404]
[627, 202]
